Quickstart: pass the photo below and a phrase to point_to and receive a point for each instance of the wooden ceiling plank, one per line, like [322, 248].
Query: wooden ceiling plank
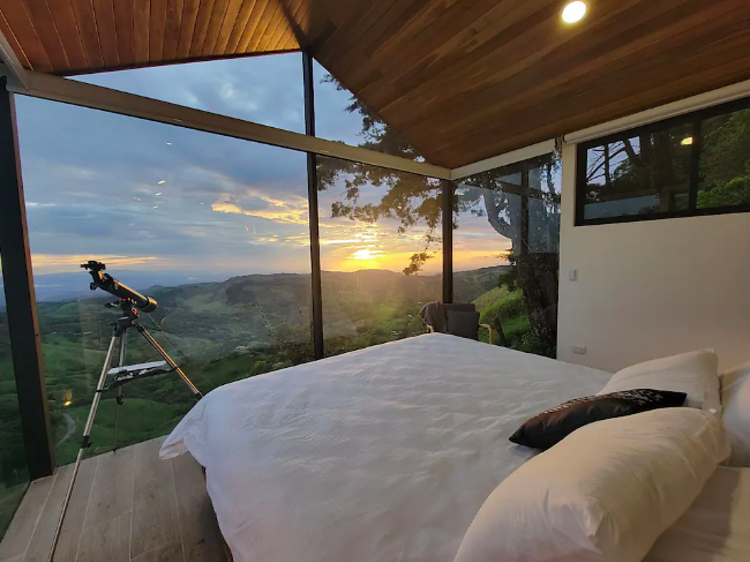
[70, 36]
[526, 85]
[214, 27]
[86, 21]
[530, 41]
[269, 18]
[316, 15]
[41, 17]
[286, 27]
[252, 24]
[172, 29]
[141, 30]
[19, 21]
[278, 25]
[227, 26]
[104, 14]
[201, 27]
[347, 36]
[623, 95]
[157, 30]
[187, 27]
[124, 28]
[13, 41]
[457, 27]
[241, 22]
[297, 27]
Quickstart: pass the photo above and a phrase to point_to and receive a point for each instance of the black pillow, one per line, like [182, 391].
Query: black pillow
[553, 425]
[462, 323]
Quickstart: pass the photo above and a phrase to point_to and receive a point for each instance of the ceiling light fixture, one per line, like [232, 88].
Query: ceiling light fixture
[573, 12]
[687, 141]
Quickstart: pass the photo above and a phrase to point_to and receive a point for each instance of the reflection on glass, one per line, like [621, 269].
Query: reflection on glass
[266, 89]
[506, 247]
[14, 475]
[380, 251]
[215, 229]
[725, 161]
[644, 174]
[340, 116]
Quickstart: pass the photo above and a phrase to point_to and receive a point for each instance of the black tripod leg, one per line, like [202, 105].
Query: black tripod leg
[121, 363]
[164, 355]
[84, 443]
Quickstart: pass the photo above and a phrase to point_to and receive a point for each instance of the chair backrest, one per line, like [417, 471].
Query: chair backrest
[462, 320]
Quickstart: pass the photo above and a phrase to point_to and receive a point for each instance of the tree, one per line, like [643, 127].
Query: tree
[521, 205]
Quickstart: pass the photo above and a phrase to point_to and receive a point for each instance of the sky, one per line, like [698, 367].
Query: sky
[149, 196]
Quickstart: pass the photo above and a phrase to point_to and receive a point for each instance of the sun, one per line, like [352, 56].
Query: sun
[365, 254]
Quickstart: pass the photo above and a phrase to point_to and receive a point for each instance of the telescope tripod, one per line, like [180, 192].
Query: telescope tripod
[121, 375]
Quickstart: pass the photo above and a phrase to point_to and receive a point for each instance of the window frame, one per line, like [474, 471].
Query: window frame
[695, 119]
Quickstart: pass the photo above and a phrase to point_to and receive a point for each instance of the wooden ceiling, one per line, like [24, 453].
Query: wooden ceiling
[461, 80]
[70, 36]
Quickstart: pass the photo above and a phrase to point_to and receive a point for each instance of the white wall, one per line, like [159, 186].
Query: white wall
[652, 288]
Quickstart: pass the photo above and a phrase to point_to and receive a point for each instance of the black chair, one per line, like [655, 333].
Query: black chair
[459, 319]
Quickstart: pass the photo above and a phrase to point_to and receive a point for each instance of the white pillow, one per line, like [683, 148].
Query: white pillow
[695, 373]
[603, 494]
[735, 402]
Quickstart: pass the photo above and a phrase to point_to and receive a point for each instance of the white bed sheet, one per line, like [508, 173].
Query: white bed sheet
[384, 454]
[716, 528]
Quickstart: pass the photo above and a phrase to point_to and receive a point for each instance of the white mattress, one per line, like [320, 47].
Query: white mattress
[716, 528]
[384, 454]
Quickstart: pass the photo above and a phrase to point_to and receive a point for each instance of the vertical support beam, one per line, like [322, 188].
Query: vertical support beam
[449, 193]
[695, 162]
[20, 299]
[313, 218]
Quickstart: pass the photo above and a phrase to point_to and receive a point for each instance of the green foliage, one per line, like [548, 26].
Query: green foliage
[734, 192]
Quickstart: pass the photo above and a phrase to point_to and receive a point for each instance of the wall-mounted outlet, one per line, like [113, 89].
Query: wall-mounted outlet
[579, 349]
[573, 275]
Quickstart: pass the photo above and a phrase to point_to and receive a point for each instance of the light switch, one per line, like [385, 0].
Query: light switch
[579, 349]
[573, 275]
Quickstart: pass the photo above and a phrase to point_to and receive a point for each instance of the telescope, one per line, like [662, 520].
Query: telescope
[106, 282]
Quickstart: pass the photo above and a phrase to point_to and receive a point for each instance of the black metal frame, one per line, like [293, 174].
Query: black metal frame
[313, 218]
[20, 300]
[695, 119]
[449, 198]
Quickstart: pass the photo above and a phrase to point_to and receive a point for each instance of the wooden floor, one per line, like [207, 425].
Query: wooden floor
[127, 505]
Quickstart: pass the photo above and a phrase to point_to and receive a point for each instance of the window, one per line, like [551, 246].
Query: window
[14, 475]
[506, 246]
[214, 228]
[691, 165]
[381, 253]
[263, 89]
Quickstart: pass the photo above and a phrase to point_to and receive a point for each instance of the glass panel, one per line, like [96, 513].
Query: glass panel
[263, 89]
[214, 228]
[14, 475]
[506, 252]
[340, 116]
[640, 175]
[725, 161]
[380, 251]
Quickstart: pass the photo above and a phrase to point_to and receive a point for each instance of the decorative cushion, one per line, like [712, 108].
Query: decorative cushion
[695, 373]
[462, 324]
[604, 494]
[735, 402]
[551, 426]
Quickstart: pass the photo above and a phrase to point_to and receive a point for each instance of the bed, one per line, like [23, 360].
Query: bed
[386, 454]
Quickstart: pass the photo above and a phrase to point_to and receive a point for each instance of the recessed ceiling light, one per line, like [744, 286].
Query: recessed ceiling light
[687, 141]
[574, 11]
[162, 182]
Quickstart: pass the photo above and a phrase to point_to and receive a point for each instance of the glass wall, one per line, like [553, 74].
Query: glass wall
[381, 252]
[14, 475]
[214, 228]
[263, 89]
[340, 116]
[506, 246]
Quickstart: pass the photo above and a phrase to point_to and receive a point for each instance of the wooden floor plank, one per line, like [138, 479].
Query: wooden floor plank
[25, 520]
[201, 537]
[71, 531]
[155, 522]
[107, 542]
[171, 552]
[112, 491]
